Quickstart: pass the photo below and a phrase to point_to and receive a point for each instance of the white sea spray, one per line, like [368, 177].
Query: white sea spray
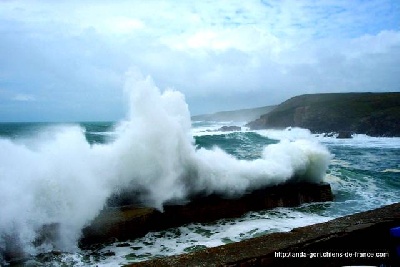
[58, 178]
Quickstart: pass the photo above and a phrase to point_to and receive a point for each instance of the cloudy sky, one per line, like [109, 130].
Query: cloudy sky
[67, 60]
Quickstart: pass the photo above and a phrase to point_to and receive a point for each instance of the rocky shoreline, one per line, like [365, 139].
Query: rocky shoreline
[358, 239]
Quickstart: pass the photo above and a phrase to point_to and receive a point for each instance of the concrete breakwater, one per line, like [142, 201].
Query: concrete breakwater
[127, 222]
[359, 239]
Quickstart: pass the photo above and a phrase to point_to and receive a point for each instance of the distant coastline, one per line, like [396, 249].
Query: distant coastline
[242, 115]
[374, 114]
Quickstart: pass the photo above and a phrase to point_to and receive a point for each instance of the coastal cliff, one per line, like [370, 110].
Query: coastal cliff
[374, 114]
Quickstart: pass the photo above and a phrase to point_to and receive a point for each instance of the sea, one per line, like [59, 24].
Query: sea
[64, 174]
[364, 173]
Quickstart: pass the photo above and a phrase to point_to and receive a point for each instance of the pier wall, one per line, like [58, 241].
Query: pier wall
[129, 222]
[355, 240]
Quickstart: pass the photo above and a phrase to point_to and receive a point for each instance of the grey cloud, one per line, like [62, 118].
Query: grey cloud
[75, 68]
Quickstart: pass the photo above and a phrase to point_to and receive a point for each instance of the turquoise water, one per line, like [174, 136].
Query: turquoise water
[364, 173]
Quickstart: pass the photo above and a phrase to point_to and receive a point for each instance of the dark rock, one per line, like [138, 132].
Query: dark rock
[131, 221]
[47, 234]
[340, 135]
[358, 239]
[344, 135]
[12, 253]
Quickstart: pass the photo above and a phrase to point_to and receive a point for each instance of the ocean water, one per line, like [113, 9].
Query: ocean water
[364, 173]
[65, 172]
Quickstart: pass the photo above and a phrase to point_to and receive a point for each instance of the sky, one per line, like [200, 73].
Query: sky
[68, 60]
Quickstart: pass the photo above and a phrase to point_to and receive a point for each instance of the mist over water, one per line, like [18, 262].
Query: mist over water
[56, 176]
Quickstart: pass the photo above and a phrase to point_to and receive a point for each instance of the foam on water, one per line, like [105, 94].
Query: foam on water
[58, 177]
[213, 128]
[391, 170]
[363, 141]
[357, 187]
[354, 172]
[193, 237]
[357, 140]
[290, 133]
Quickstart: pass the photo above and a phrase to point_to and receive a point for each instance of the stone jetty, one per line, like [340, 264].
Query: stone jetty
[127, 222]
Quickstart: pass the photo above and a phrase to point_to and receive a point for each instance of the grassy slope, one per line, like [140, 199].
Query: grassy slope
[376, 114]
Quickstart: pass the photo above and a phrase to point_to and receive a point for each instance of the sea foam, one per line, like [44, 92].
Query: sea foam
[58, 178]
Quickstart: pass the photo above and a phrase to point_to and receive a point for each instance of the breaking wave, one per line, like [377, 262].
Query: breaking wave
[58, 177]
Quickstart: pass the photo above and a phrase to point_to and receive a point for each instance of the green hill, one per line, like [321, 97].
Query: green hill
[375, 114]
